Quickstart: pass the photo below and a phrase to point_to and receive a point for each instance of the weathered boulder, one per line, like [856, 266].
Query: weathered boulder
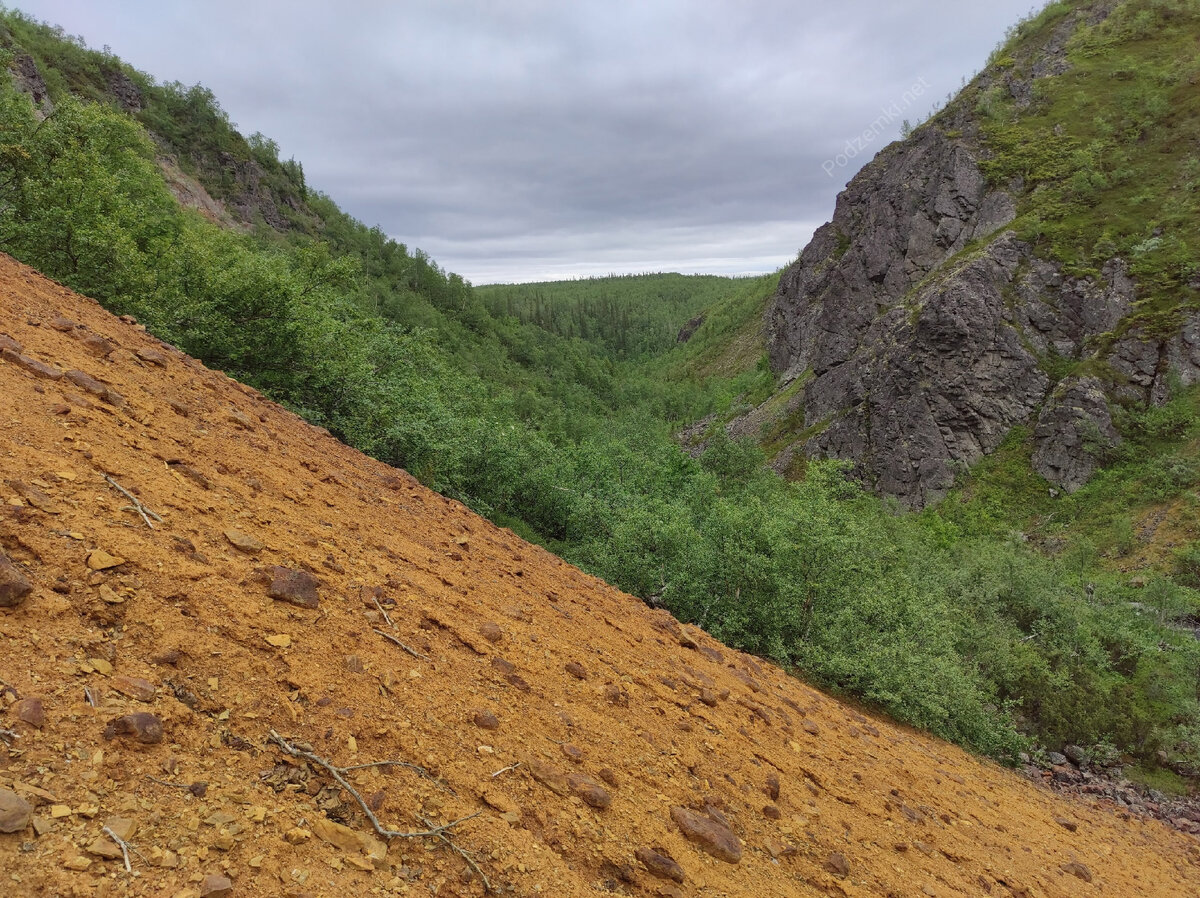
[709, 834]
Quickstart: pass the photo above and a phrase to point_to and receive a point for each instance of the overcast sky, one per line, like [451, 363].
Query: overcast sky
[519, 140]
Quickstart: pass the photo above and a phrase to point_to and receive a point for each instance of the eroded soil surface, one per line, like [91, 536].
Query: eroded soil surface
[295, 585]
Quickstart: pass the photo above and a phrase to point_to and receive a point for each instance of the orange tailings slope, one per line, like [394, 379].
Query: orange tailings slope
[602, 747]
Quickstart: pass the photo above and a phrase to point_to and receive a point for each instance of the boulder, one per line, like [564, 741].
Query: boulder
[710, 835]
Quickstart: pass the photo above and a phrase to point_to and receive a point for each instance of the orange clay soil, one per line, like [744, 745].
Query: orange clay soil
[526, 666]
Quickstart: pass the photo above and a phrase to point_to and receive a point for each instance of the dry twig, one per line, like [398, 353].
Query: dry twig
[90, 696]
[8, 735]
[198, 788]
[137, 506]
[384, 613]
[338, 773]
[461, 852]
[506, 769]
[392, 639]
[123, 845]
[415, 768]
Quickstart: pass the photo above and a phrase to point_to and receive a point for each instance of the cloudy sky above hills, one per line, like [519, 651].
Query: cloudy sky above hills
[527, 139]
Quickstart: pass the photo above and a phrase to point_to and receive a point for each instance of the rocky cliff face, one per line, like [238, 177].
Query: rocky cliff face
[922, 329]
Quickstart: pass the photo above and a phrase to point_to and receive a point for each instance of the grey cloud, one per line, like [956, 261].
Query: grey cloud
[531, 139]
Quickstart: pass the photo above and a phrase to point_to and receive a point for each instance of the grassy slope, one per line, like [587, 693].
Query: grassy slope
[1107, 149]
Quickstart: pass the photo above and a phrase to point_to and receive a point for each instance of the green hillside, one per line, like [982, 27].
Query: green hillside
[554, 409]
[1105, 159]
[1106, 150]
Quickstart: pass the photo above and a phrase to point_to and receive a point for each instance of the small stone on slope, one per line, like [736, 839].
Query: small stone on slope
[96, 345]
[837, 863]
[1077, 869]
[708, 834]
[491, 631]
[216, 886]
[575, 669]
[153, 356]
[295, 587]
[244, 542]
[659, 864]
[548, 776]
[15, 812]
[573, 752]
[142, 727]
[134, 687]
[772, 787]
[592, 793]
[33, 366]
[30, 711]
[485, 720]
[99, 560]
[14, 585]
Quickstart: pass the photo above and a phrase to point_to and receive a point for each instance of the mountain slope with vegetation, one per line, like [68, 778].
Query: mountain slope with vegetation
[553, 410]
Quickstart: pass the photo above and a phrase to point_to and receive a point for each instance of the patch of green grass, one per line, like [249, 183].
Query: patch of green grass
[731, 341]
[1155, 469]
[780, 425]
[1105, 153]
[1001, 493]
[1165, 781]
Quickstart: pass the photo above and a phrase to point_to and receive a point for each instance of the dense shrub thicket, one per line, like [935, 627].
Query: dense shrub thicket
[569, 441]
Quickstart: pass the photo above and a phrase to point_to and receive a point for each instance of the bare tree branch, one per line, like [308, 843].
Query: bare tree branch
[338, 774]
[137, 506]
[123, 845]
[392, 639]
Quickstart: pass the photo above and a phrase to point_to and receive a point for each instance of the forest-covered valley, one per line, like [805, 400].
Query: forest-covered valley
[1008, 618]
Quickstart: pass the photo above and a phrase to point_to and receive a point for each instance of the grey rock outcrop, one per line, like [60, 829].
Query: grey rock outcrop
[916, 330]
[1074, 431]
[920, 349]
[124, 90]
[29, 80]
[689, 329]
[926, 331]
[916, 205]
